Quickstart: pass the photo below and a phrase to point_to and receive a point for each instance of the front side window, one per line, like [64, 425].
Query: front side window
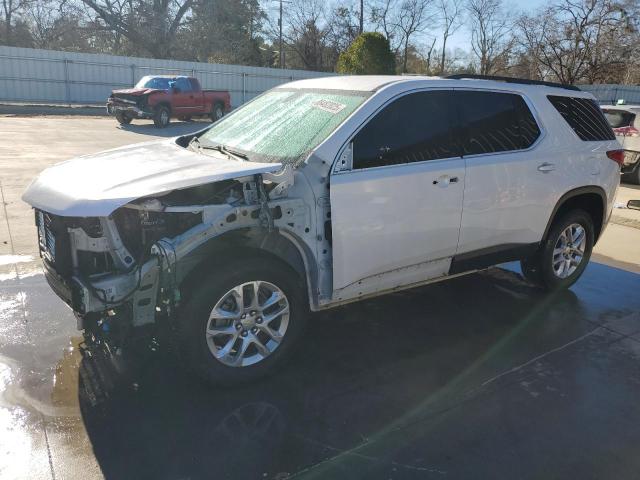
[182, 84]
[284, 125]
[414, 128]
[495, 122]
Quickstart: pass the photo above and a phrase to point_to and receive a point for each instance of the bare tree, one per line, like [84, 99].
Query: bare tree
[450, 14]
[412, 18]
[10, 8]
[489, 29]
[151, 24]
[400, 21]
[576, 40]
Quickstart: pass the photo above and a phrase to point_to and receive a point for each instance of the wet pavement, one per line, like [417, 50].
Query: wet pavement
[479, 377]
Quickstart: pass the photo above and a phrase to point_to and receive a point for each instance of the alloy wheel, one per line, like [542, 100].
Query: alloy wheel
[569, 250]
[248, 323]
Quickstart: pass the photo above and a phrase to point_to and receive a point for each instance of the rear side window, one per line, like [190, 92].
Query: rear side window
[584, 116]
[413, 128]
[495, 122]
[618, 118]
[195, 86]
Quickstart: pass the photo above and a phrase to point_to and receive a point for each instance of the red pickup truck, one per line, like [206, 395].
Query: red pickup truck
[161, 97]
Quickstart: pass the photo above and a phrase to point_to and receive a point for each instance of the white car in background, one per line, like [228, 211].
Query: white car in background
[625, 121]
[319, 193]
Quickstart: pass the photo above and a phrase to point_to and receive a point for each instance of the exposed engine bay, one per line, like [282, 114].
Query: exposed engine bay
[132, 262]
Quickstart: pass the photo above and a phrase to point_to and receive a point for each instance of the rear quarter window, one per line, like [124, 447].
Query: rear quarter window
[584, 116]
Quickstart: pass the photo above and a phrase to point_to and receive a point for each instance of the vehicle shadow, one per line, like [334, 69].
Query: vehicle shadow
[362, 371]
[174, 129]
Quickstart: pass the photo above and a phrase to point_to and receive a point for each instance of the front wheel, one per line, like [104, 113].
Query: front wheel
[162, 117]
[564, 254]
[123, 118]
[242, 321]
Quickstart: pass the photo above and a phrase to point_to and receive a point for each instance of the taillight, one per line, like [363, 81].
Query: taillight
[627, 131]
[617, 156]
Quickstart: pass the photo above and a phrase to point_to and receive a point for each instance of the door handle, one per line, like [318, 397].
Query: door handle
[445, 180]
[547, 167]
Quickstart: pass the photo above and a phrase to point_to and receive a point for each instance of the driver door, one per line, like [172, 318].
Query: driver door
[399, 203]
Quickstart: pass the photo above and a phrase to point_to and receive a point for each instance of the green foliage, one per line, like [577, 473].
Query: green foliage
[368, 54]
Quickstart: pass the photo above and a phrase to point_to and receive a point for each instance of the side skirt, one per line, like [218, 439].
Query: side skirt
[487, 257]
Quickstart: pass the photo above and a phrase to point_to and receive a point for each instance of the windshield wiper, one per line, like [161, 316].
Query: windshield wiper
[230, 153]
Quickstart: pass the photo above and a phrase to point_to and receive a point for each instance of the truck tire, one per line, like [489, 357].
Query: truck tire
[229, 334]
[162, 116]
[563, 254]
[123, 118]
[218, 112]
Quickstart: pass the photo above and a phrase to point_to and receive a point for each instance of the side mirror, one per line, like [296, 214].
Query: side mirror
[633, 204]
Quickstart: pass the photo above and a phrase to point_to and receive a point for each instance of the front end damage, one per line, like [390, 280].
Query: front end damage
[127, 269]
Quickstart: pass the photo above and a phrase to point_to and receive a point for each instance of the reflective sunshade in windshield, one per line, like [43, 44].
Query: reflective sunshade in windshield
[284, 125]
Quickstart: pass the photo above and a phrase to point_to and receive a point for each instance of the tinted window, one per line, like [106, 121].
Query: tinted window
[618, 118]
[183, 84]
[584, 116]
[495, 122]
[414, 128]
[195, 86]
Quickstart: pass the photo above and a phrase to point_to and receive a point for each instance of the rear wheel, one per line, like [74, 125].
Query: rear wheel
[242, 321]
[564, 254]
[123, 118]
[162, 117]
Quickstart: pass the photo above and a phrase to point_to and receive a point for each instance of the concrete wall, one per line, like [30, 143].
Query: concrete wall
[32, 75]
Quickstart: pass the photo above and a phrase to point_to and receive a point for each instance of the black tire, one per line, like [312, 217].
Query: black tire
[162, 116]
[539, 268]
[123, 118]
[194, 349]
[217, 112]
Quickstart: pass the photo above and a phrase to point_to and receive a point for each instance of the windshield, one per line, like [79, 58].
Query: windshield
[283, 125]
[161, 83]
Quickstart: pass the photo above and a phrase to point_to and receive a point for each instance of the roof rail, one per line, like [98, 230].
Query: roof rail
[524, 81]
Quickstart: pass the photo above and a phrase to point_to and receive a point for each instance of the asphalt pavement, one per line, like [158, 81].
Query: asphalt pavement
[479, 377]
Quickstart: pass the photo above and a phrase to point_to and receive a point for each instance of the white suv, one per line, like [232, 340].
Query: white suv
[319, 193]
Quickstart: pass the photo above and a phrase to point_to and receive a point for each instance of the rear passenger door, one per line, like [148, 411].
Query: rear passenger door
[509, 183]
[400, 202]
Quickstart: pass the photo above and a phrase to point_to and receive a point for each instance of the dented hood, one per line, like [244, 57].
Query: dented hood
[95, 185]
[136, 91]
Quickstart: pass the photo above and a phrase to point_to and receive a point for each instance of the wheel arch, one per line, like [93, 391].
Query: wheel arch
[591, 199]
[251, 243]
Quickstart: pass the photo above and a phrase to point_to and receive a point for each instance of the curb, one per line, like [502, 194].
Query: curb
[28, 109]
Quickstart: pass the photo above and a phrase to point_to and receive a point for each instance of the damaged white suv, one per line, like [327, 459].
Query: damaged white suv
[319, 193]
